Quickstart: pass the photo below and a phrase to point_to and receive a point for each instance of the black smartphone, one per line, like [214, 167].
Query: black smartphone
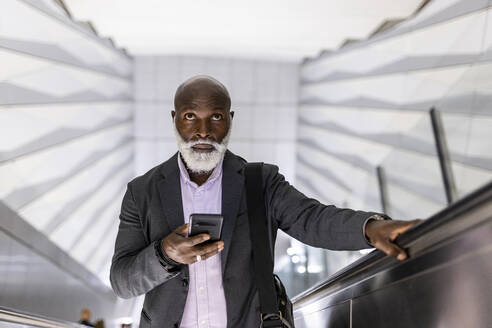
[206, 223]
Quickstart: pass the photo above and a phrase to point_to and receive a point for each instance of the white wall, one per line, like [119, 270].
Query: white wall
[66, 155]
[367, 105]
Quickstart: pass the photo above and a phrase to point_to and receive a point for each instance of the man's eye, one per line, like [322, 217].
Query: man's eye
[217, 117]
[189, 116]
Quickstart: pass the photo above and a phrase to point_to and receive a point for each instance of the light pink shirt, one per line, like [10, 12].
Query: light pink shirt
[205, 304]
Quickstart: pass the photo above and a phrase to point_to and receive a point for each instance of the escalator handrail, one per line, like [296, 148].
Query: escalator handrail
[444, 216]
[29, 319]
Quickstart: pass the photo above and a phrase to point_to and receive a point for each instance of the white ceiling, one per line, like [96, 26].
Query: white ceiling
[274, 29]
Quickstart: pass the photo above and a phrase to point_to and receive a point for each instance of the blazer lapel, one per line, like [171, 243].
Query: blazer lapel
[232, 188]
[170, 193]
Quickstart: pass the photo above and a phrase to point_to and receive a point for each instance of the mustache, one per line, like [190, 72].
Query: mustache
[209, 142]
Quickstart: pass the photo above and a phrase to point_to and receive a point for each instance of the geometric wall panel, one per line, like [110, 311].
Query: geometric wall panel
[49, 211]
[42, 83]
[36, 127]
[51, 34]
[452, 42]
[20, 186]
[369, 103]
[366, 105]
[66, 121]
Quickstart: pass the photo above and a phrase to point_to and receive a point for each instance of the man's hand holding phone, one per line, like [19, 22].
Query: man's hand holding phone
[188, 250]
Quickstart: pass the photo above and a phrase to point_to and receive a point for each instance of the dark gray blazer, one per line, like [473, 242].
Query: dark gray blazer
[152, 209]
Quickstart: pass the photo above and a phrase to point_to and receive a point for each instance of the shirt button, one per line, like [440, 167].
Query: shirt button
[201, 287]
[203, 322]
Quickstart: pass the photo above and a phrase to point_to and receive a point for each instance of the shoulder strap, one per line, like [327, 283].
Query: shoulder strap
[258, 226]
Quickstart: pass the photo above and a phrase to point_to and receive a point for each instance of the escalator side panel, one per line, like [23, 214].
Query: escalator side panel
[455, 295]
[447, 285]
[333, 316]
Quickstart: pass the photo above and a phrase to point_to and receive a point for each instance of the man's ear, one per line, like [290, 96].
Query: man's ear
[232, 114]
[173, 114]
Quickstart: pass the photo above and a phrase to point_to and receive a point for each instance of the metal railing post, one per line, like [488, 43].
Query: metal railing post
[383, 193]
[443, 155]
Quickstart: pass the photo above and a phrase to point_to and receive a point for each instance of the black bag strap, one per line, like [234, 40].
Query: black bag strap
[262, 259]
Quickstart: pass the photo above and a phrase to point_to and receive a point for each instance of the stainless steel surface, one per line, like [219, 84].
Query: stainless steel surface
[447, 282]
[443, 155]
[25, 319]
[383, 193]
[337, 315]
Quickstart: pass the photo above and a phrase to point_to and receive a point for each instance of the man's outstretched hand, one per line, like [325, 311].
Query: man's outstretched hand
[382, 235]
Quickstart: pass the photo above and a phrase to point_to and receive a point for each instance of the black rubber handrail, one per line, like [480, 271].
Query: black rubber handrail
[446, 215]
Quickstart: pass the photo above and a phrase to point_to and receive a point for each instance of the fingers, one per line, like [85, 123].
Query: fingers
[205, 251]
[182, 230]
[384, 234]
[391, 249]
[198, 239]
[401, 227]
[206, 256]
[210, 250]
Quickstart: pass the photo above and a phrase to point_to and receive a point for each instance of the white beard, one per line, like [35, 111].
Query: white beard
[201, 162]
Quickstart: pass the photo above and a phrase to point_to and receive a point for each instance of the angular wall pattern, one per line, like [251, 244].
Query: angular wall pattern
[367, 105]
[66, 116]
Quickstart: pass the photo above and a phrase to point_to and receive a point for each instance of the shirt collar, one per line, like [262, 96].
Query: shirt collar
[216, 173]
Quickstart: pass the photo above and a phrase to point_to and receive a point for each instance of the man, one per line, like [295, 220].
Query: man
[85, 318]
[187, 284]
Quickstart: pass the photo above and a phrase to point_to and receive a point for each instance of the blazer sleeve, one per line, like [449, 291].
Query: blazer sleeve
[135, 267]
[309, 221]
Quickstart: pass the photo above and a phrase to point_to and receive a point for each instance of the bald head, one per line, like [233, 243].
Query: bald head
[202, 88]
[85, 314]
